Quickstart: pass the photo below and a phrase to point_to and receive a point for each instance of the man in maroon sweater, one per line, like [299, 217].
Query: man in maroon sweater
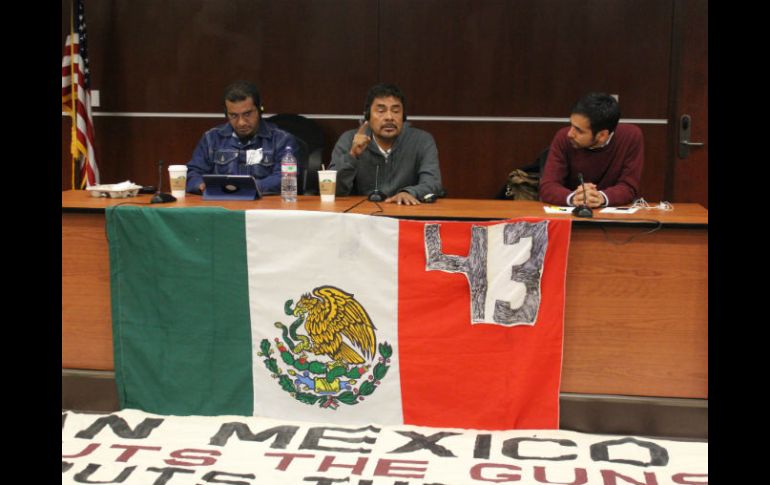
[609, 155]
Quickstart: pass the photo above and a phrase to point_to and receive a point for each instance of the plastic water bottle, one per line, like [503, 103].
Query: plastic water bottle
[288, 176]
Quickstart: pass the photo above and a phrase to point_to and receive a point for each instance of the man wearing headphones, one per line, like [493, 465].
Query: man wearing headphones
[245, 145]
[386, 158]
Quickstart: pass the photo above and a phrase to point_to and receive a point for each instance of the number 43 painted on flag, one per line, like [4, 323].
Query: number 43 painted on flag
[503, 267]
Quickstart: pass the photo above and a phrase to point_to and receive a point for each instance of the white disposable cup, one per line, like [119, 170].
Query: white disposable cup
[177, 175]
[327, 184]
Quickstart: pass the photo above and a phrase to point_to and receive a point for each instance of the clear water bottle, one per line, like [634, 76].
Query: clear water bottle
[288, 176]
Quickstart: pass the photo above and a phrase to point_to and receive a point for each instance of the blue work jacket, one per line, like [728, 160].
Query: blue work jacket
[221, 152]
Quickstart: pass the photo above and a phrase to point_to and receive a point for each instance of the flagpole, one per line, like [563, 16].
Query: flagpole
[73, 91]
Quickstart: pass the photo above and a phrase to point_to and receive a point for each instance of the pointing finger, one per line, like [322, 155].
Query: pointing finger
[361, 140]
[362, 128]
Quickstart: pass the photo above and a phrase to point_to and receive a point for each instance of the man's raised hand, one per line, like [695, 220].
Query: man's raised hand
[360, 140]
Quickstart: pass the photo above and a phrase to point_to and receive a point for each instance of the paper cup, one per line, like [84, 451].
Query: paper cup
[177, 175]
[327, 184]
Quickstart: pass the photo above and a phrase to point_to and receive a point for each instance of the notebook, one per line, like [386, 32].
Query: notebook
[230, 187]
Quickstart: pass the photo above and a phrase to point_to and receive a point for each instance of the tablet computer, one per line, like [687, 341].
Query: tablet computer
[230, 187]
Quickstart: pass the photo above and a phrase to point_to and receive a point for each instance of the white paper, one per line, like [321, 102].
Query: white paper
[253, 156]
[554, 209]
[619, 210]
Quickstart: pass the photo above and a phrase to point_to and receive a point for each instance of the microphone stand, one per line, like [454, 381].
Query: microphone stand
[160, 197]
[377, 195]
[582, 210]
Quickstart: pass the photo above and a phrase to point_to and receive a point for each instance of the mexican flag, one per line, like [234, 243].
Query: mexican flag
[338, 318]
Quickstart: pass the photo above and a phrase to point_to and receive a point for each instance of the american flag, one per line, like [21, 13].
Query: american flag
[76, 99]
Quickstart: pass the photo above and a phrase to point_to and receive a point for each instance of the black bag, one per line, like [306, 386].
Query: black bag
[523, 183]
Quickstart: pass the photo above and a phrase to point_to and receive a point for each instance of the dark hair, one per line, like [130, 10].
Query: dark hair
[383, 90]
[601, 110]
[239, 91]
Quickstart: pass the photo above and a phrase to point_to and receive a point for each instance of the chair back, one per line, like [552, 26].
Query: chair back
[311, 141]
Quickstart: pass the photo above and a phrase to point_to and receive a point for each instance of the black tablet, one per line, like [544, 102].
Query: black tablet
[230, 187]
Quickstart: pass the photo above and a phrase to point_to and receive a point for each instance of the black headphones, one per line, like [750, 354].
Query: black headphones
[258, 102]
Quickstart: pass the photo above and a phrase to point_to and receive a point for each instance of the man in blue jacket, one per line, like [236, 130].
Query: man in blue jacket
[245, 145]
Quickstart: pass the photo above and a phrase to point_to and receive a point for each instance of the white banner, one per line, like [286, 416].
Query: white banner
[131, 447]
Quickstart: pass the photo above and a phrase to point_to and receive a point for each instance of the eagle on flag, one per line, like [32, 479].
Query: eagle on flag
[332, 319]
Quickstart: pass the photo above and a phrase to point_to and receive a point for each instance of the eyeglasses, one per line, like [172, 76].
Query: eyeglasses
[245, 115]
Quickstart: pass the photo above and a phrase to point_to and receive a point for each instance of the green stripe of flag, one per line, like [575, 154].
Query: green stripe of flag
[180, 309]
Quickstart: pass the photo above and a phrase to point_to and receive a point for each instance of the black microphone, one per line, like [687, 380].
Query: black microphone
[582, 210]
[160, 197]
[377, 195]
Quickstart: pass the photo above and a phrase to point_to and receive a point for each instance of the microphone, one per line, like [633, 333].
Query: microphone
[582, 210]
[160, 197]
[377, 195]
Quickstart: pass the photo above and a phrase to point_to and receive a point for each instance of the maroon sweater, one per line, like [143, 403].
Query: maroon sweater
[616, 169]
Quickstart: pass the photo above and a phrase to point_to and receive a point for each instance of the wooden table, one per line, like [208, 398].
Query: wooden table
[636, 317]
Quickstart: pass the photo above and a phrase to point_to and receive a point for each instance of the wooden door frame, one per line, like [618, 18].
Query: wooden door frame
[685, 29]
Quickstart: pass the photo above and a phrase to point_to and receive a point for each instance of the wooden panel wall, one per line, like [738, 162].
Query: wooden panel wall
[480, 58]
